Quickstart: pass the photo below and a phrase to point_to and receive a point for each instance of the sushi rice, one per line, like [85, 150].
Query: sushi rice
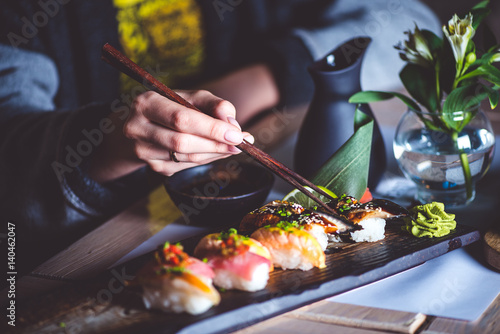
[228, 279]
[373, 230]
[177, 295]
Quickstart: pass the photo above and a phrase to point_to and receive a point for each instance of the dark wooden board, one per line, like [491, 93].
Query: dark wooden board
[86, 306]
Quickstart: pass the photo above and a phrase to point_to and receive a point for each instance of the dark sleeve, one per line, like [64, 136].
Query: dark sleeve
[260, 31]
[44, 153]
[288, 59]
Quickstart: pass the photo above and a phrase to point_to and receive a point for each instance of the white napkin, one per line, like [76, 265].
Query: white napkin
[454, 285]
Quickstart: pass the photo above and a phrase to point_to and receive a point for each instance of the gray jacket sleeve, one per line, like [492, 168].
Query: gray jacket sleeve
[45, 189]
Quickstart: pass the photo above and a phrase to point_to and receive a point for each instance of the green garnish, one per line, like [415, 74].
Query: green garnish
[283, 211]
[204, 260]
[286, 226]
[231, 232]
[170, 270]
[167, 245]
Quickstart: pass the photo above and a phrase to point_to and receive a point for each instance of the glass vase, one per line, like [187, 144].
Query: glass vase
[435, 157]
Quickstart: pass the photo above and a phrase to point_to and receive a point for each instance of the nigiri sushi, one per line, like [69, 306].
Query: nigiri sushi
[176, 282]
[291, 247]
[270, 214]
[378, 208]
[352, 220]
[370, 216]
[318, 225]
[239, 262]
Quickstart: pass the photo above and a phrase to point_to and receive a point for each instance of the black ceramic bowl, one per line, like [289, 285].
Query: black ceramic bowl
[219, 194]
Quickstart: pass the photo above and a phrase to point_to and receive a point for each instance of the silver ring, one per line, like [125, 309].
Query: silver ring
[173, 157]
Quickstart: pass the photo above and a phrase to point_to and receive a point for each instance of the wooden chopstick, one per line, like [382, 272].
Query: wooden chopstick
[121, 62]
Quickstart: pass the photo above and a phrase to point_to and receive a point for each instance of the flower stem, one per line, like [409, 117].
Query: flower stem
[438, 91]
[465, 166]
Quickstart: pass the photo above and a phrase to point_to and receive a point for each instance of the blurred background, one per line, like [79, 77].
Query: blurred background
[445, 9]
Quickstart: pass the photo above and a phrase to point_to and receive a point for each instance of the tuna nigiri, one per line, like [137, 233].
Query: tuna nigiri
[239, 262]
[176, 282]
[291, 247]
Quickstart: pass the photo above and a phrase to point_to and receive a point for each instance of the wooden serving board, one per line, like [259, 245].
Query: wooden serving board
[104, 305]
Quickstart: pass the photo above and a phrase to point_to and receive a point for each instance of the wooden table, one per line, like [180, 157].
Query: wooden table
[62, 279]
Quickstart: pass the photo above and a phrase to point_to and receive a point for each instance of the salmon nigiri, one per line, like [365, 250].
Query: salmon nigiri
[239, 262]
[291, 247]
[176, 282]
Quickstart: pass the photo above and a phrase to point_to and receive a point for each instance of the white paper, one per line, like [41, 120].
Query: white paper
[454, 285]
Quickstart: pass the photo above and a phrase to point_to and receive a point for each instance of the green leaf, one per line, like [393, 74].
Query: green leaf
[482, 4]
[346, 172]
[463, 99]
[361, 119]
[468, 97]
[486, 71]
[368, 96]
[485, 58]
[493, 96]
[375, 96]
[433, 41]
[420, 82]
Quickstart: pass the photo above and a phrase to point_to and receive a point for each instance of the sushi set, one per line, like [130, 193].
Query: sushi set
[281, 256]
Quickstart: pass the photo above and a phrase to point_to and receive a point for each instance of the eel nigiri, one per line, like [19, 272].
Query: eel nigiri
[239, 262]
[176, 282]
[370, 216]
[291, 247]
[366, 221]
[318, 225]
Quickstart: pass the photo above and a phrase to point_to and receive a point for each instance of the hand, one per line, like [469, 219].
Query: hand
[157, 126]
[251, 89]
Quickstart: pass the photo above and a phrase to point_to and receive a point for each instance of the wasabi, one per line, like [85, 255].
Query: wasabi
[430, 220]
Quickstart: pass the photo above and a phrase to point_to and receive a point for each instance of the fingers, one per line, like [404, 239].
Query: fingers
[158, 126]
[151, 134]
[211, 105]
[169, 168]
[185, 120]
[147, 152]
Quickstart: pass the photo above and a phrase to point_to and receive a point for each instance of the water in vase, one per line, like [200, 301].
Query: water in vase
[430, 159]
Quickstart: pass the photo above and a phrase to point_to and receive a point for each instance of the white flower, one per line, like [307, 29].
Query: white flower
[459, 32]
[415, 49]
[496, 57]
